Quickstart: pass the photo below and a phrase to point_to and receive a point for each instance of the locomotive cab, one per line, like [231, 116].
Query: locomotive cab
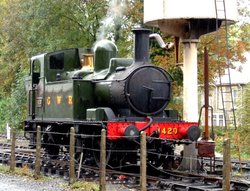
[51, 76]
[34, 84]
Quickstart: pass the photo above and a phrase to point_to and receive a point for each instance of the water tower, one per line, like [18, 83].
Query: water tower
[189, 19]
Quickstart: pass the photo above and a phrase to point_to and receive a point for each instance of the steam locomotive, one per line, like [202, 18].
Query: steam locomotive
[122, 95]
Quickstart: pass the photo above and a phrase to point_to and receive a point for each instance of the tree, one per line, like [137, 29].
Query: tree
[242, 113]
[32, 27]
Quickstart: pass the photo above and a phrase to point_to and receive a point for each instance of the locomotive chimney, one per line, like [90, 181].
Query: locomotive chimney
[141, 45]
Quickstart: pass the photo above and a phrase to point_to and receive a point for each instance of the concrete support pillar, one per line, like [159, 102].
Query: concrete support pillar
[190, 99]
[190, 81]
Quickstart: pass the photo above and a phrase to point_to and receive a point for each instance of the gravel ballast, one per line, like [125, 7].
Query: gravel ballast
[21, 183]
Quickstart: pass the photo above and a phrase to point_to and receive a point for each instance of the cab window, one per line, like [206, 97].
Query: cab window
[36, 71]
[56, 61]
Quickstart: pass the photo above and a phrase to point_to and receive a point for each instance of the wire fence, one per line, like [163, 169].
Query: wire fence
[87, 149]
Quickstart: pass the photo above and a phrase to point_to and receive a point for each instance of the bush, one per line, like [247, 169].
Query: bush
[4, 107]
[13, 108]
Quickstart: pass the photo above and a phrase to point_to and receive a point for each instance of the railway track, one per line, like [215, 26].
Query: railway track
[191, 181]
[157, 179]
[236, 165]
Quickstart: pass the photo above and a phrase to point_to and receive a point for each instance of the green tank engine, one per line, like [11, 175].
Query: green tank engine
[60, 90]
[92, 89]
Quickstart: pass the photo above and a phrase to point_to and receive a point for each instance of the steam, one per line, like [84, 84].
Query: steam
[113, 20]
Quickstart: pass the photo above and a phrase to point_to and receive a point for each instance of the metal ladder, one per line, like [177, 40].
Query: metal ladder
[229, 115]
[226, 92]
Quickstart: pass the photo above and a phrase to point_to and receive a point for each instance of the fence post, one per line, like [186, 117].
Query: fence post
[8, 132]
[143, 163]
[226, 165]
[13, 151]
[103, 161]
[38, 153]
[72, 156]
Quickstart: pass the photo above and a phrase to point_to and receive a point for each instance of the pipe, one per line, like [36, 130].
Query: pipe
[148, 125]
[176, 43]
[158, 38]
[160, 41]
[206, 93]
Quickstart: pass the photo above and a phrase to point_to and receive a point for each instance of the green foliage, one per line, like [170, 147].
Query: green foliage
[4, 107]
[13, 108]
[17, 106]
[85, 186]
[243, 113]
[241, 142]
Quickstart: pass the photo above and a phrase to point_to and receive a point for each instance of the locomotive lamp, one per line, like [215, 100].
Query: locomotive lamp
[188, 20]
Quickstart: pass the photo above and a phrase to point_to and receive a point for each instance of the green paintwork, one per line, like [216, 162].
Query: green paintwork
[102, 88]
[71, 62]
[68, 100]
[83, 98]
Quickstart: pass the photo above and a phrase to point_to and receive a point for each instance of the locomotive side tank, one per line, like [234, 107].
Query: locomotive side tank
[122, 95]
